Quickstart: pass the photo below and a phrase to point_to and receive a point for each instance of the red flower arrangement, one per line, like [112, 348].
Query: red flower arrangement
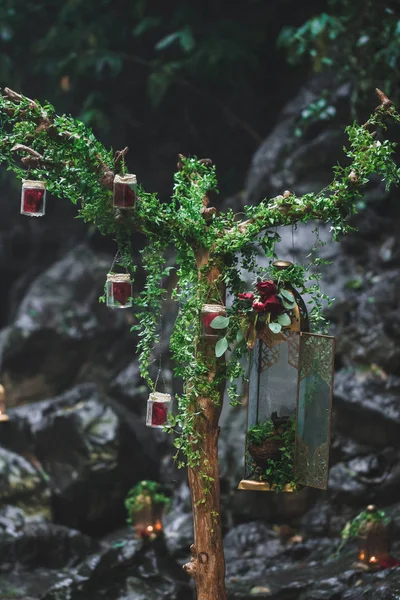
[269, 301]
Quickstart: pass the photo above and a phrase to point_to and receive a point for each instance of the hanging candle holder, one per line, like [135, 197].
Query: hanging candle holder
[158, 409]
[119, 290]
[145, 505]
[208, 313]
[373, 540]
[3, 414]
[124, 191]
[290, 397]
[33, 198]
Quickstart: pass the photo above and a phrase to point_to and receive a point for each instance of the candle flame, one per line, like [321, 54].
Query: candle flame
[150, 528]
[373, 559]
[362, 556]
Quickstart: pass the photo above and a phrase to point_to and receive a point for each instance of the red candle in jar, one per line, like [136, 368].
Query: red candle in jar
[158, 406]
[119, 290]
[159, 413]
[124, 191]
[208, 313]
[33, 198]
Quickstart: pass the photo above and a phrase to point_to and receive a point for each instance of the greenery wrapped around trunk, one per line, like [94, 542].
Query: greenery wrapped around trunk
[211, 250]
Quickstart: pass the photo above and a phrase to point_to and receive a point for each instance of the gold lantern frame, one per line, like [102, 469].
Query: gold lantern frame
[3, 407]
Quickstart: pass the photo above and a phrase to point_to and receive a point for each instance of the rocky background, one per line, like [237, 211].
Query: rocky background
[76, 440]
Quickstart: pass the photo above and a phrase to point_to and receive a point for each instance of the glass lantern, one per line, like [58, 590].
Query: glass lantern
[158, 408]
[119, 290]
[289, 406]
[147, 521]
[3, 414]
[124, 191]
[373, 542]
[208, 314]
[33, 198]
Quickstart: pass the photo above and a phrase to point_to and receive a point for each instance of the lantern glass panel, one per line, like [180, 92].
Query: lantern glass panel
[124, 191]
[33, 198]
[118, 291]
[272, 397]
[314, 409]
[158, 408]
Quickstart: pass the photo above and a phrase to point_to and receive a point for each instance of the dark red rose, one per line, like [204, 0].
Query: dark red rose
[272, 304]
[266, 288]
[258, 306]
[121, 291]
[159, 413]
[246, 296]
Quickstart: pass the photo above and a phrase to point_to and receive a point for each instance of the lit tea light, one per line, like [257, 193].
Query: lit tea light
[362, 556]
[373, 559]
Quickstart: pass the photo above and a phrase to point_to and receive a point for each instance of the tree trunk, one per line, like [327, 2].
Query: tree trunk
[207, 566]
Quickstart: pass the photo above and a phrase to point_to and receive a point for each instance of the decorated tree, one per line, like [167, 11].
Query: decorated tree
[59, 154]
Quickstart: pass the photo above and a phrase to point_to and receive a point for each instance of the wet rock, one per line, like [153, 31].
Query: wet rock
[285, 162]
[44, 545]
[22, 485]
[59, 317]
[78, 444]
[369, 402]
[127, 571]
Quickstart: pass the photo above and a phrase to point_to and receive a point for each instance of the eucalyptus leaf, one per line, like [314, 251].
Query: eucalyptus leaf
[284, 319]
[239, 336]
[275, 327]
[220, 322]
[286, 294]
[221, 347]
[287, 304]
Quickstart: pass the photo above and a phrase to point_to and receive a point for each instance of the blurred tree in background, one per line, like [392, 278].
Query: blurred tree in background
[193, 77]
[161, 77]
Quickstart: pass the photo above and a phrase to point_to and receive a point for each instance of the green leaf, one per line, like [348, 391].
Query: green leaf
[287, 295]
[167, 40]
[284, 319]
[220, 322]
[221, 347]
[239, 336]
[275, 327]
[287, 304]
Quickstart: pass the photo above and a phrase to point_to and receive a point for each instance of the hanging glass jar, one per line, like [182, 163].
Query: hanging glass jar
[208, 313]
[3, 413]
[124, 191]
[33, 198]
[119, 290]
[290, 396]
[158, 408]
[373, 540]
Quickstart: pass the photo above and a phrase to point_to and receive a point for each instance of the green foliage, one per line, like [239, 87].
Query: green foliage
[352, 528]
[359, 40]
[73, 165]
[134, 499]
[280, 472]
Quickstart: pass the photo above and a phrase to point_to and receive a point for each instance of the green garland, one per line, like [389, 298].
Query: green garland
[73, 164]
